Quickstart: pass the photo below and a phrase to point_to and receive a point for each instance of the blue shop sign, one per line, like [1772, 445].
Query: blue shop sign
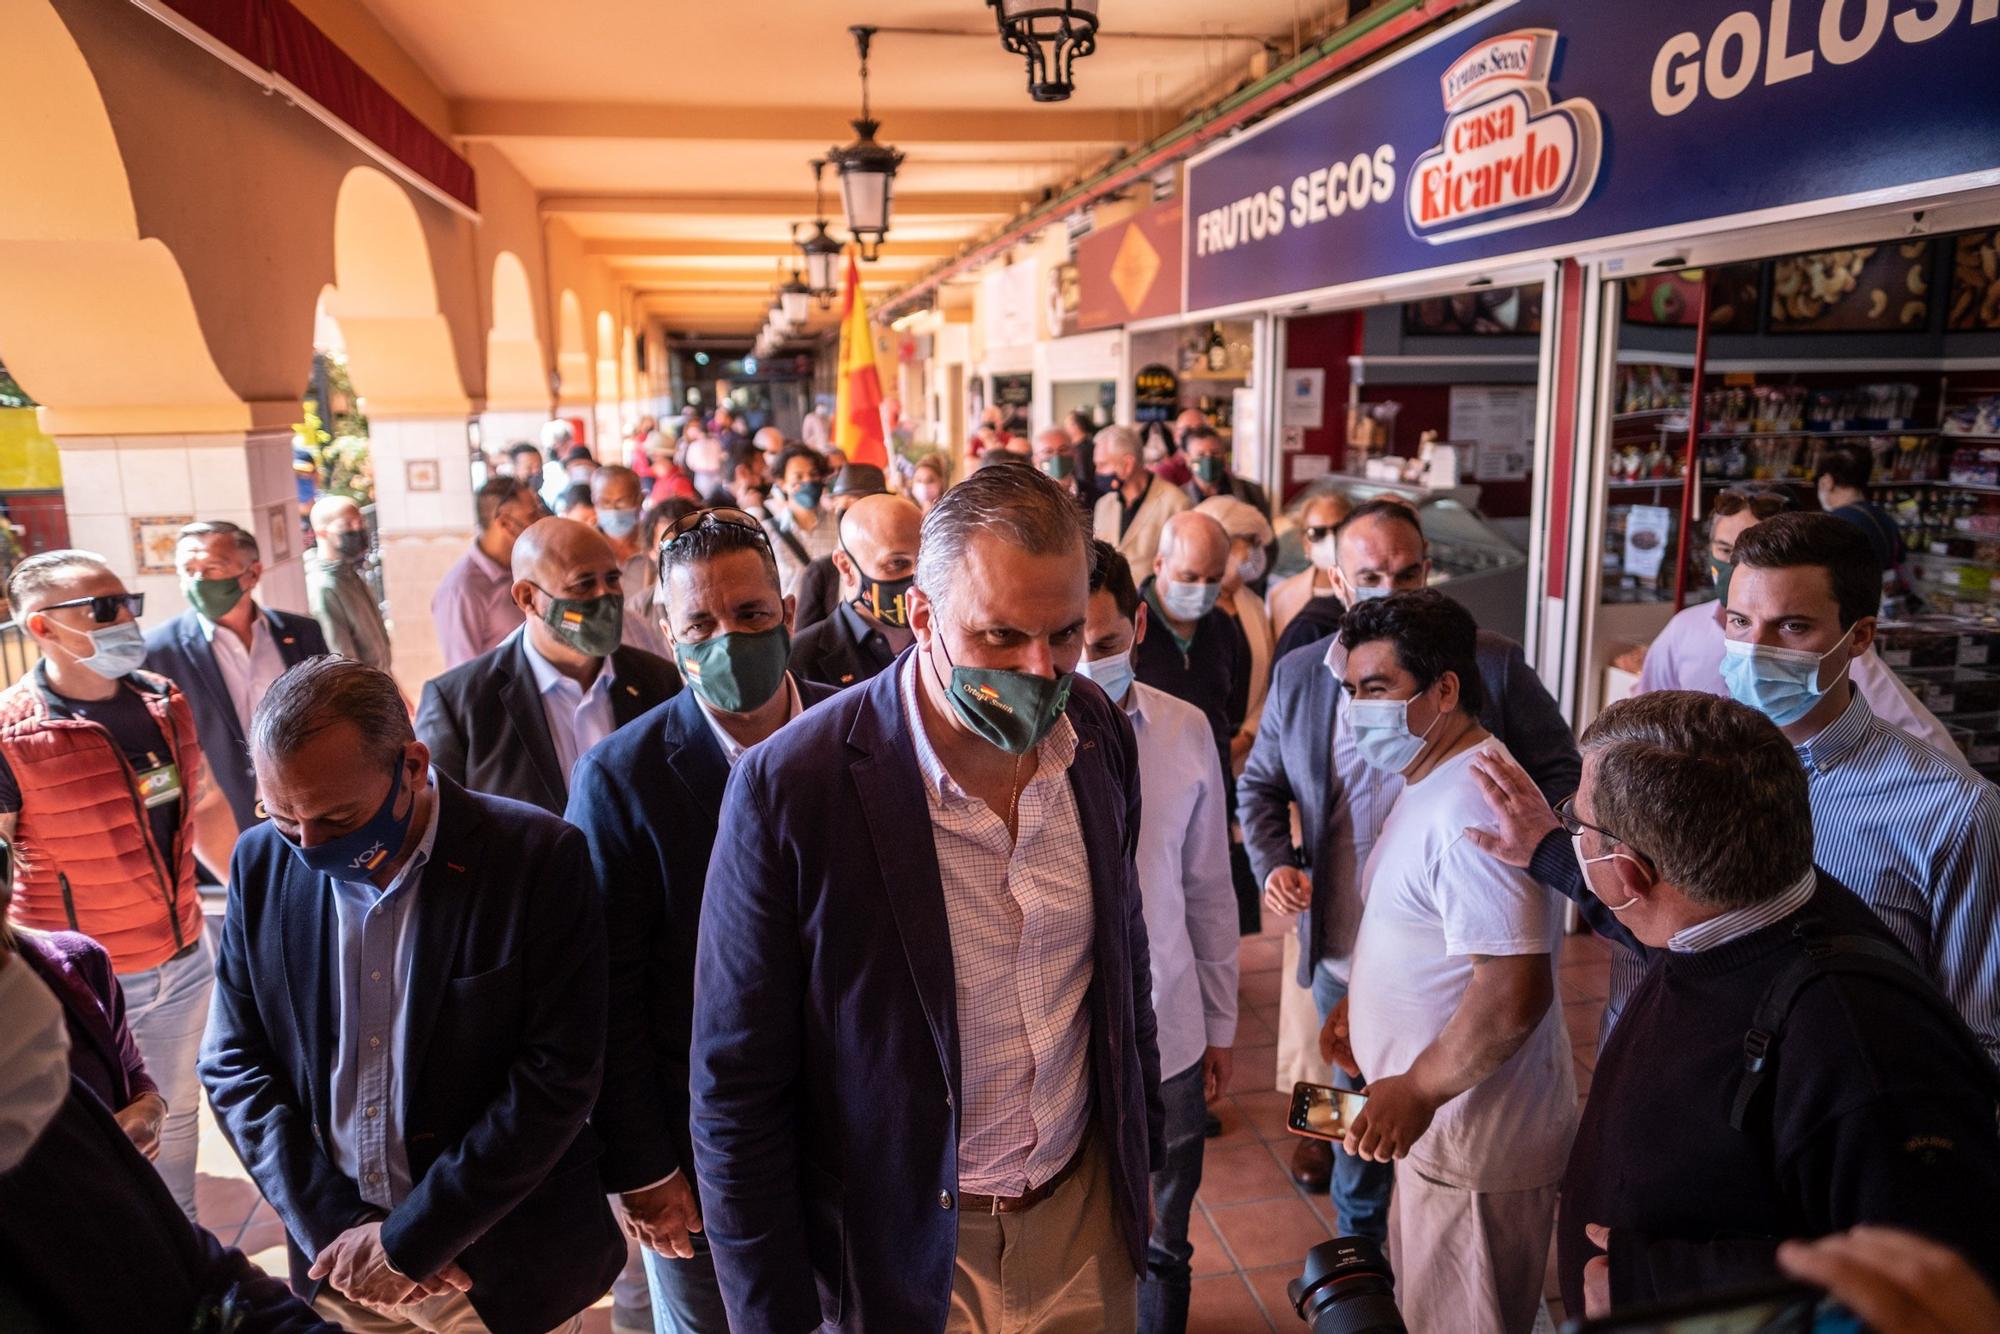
[1536, 125]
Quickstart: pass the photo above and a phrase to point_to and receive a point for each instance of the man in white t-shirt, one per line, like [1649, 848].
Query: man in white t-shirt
[1449, 1013]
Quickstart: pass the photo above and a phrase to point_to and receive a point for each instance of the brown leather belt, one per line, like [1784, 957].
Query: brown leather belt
[1016, 1204]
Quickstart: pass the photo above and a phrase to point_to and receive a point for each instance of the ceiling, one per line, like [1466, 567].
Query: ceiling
[674, 137]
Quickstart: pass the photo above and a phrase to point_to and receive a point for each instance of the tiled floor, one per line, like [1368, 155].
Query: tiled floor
[1252, 1226]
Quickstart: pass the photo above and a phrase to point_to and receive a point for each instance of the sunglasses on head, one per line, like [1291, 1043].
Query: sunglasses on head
[104, 608]
[1761, 503]
[722, 516]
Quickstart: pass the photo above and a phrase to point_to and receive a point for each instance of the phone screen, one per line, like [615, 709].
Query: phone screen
[1320, 1112]
[1785, 1310]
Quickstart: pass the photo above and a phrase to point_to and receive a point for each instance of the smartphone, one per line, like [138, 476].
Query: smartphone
[1779, 1308]
[1319, 1112]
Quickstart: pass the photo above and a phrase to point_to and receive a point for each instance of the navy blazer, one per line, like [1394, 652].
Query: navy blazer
[1292, 761]
[826, 1057]
[487, 730]
[505, 1051]
[648, 798]
[180, 652]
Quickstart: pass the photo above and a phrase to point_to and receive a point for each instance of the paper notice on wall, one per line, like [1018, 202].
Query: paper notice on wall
[1498, 421]
[1308, 467]
[1305, 398]
[1647, 530]
[1293, 439]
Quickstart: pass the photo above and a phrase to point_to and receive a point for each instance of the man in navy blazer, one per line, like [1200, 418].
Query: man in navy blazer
[223, 678]
[408, 1028]
[648, 800]
[923, 1029]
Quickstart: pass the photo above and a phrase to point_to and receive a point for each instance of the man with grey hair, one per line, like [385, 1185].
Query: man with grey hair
[408, 1033]
[946, 850]
[1134, 505]
[100, 773]
[1052, 456]
[1784, 1068]
[341, 600]
[1198, 653]
[224, 652]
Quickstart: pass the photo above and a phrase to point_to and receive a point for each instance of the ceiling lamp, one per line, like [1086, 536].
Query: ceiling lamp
[795, 299]
[821, 251]
[1051, 34]
[867, 169]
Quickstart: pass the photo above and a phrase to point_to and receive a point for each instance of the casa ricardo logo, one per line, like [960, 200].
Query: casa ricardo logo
[1510, 153]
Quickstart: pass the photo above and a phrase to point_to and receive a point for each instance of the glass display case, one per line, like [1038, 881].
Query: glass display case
[1477, 564]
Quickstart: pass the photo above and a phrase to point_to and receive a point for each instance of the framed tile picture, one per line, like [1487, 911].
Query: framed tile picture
[153, 541]
[420, 474]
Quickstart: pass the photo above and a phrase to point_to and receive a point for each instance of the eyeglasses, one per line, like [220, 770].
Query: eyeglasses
[722, 516]
[1574, 825]
[105, 607]
[1319, 532]
[1760, 502]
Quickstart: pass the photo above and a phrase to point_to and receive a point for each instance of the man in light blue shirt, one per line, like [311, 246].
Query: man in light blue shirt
[1190, 910]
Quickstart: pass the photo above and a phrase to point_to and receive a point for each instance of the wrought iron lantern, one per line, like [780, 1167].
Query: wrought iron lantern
[1051, 35]
[867, 168]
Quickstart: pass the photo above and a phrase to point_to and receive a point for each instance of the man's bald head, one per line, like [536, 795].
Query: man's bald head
[551, 547]
[1188, 420]
[327, 511]
[878, 540]
[1050, 443]
[1194, 548]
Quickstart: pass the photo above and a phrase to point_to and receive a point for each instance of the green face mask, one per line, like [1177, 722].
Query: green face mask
[1719, 571]
[737, 672]
[591, 626]
[1058, 466]
[1011, 710]
[213, 598]
[1210, 469]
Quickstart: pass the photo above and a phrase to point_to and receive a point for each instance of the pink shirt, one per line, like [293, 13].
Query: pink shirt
[1688, 656]
[473, 607]
[1021, 917]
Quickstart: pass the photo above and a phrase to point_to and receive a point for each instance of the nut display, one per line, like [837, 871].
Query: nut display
[1975, 282]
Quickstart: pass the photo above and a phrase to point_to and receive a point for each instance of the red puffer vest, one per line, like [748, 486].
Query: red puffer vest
[82, 818]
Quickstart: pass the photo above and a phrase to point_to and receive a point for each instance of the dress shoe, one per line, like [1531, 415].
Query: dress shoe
[1312, 1165]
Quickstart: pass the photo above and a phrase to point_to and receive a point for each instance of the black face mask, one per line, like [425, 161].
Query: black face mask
[351, 545]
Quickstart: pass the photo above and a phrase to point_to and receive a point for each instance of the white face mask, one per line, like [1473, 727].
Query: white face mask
[1583, 865]
[1382, 732]
[1113, 674]
[1251, 568]
[1322, 554]
[34, 1061]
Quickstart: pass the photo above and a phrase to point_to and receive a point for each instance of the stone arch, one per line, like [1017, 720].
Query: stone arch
[399, 346]
[572, 357]
[516, 371]
[606, 388]
[84, 292]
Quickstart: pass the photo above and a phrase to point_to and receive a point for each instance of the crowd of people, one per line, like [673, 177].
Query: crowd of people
[810, 898]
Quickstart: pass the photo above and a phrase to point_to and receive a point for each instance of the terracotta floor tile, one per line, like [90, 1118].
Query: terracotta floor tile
[1269, 1286]
[1256, 1068]
[1253, 1028]
[1241, 1173]
[1264, 1110]
[1259, 953]
[1270, 1232]
[1259, 988]
[1209, 1257]
[1268, 1013]
[224, 1203]
[264, 1230]
[1224, 1305]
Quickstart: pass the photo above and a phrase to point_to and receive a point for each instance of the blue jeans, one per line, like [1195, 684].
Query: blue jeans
[1360, 1188]
[167, 1009]
[1164, 1287]
[686, 1297]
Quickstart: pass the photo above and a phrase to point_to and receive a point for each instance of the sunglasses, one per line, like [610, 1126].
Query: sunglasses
[105, 607]
[1763, 504]
[1319, 532]
[722, 516]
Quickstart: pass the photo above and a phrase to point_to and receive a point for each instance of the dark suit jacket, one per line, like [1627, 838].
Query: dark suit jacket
[841, 650]
[180, 652]
[505, 1053]
[817, 595]
[648, 799]
[486, 729]
[1292, 761]
[90, 1239]
[826, 1052]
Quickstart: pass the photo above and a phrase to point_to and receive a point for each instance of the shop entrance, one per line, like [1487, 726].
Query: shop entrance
[1874, 365]
[1432, 400]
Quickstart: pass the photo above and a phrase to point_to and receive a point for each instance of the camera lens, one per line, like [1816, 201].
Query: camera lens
[1347, 1288]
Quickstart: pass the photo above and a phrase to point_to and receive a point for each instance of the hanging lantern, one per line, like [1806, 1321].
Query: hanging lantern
[821, 251]
[1051, 35]
[867, 169]
[796, 300]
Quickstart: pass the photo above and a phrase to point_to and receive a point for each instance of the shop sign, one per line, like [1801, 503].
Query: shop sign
[1156, 394]
[1554, 123]
[1130, 270]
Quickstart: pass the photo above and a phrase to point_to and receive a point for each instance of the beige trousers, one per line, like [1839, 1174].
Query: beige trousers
[1059, 1268]
[451, 1313]
[1468, 1261]
[1298, 1026]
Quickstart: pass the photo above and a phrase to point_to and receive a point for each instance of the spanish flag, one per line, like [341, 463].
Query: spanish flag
[857, 413]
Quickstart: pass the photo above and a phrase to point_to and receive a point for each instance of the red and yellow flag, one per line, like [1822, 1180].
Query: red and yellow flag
[857, 412]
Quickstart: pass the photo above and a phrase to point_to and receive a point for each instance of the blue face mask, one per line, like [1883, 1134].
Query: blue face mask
[1780, 683]
[806, 494]
[358, 855]
[1369, 592]
[1187, 602]
[117, 650]
[1113, 674]
[617, 523]
[1382, 732]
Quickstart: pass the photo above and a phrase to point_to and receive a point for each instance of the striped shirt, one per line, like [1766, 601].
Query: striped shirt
[1020, 912]
[1916, 835]
[1740, 922]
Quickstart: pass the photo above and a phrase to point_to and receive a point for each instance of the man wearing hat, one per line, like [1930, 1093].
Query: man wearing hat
[818, 590]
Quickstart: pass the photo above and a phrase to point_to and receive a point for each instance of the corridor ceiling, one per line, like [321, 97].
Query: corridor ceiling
[674, 137]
